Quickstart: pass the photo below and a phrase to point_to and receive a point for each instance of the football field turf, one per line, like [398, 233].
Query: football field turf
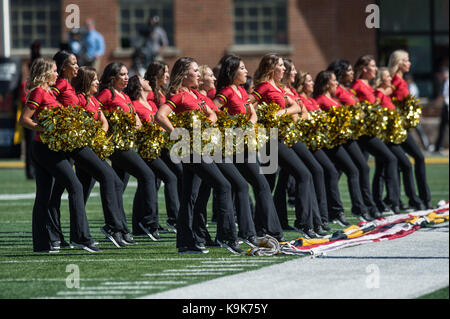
[130, 272]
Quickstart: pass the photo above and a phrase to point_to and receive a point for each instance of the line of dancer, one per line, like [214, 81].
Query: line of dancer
[246, 203]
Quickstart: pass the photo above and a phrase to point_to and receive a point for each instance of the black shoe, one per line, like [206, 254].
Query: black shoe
[320, 231]
[325, 226]
[162, 230]
[289, 229]
[417, 206]
[52, 250]
[365, 217]
[280, 238]
[127, 239]
[309, 233]
[396, 209]
[291, 202]
[375, 213]
[56, 245]
[152, 233]
[341, 220]
[114, 237]
[251, 241]
[231, 245]
[200, 245]
[192, 250]
[212, 244]
[405, 207]
[65, 245]
[171, 224]
[429, 205]
[384, 209]
[90, 248]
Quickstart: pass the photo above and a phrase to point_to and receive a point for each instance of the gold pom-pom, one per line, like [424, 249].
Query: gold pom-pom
[65, 128]
[196, 123]
[101, 143]
[313, 131]
[122, 129]
[375, 119]
[150, 139]
[410, 110]
[395, 131]
[287, 130]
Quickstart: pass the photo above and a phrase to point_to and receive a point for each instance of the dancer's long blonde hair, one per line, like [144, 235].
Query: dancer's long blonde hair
[40, 73]
[395, 59]
[266, 68]
[379, 77]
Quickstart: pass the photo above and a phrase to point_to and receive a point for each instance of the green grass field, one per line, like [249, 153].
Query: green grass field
[130, 272]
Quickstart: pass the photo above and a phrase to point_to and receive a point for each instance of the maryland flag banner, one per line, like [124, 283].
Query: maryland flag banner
[385, 228]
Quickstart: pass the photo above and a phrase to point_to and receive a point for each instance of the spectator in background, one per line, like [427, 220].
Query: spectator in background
[413, 88]
[155, 40]
[94, 43]
[443, 100]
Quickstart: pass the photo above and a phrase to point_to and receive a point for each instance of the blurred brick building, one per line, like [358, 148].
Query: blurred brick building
[310, 32]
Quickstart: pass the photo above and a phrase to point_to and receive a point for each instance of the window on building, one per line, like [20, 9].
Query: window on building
[421, 28]
[36, 20]
[260, 22]
[135, 14]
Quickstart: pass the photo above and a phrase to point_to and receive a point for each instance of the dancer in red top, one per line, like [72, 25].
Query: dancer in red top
[326, 98]
[206, 86]
[145, 214]
[233, 98]
[138, 90]
[344, 75]
[116, 228]
[242, 201]
[183, 98]
[88, 166]
[383, 86]
[157, 75]
[304, 85]
[316, 162]
[67, 67]
[52, 167]
[269, 89]
[365, 71]
[324, 88]
[399, 64]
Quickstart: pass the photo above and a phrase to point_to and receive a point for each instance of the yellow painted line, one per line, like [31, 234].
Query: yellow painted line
[12, 164]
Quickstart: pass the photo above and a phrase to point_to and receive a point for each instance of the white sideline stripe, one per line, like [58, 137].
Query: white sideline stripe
[113, 288]
[184, 274]
[252, 259]
[231, 266]
[236, 261]
[84, 297]
[32, 196]
[53, 279]
[168, 282]
[193, 271]
[68, 293]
